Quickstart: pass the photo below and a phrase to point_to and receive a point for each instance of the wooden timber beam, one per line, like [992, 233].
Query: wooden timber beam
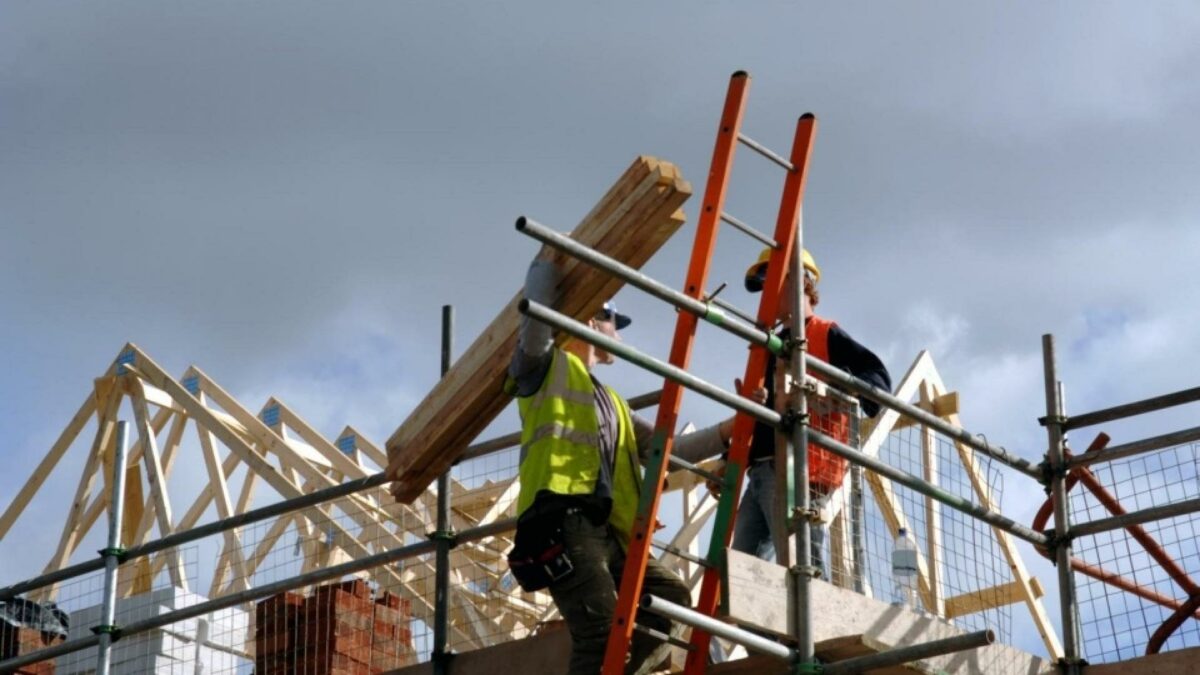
[630, 223]
[107, 400]
[1008, 545]
[232, 555]
[46, 466]
[943, 406]
[157, 478]
[987, 598]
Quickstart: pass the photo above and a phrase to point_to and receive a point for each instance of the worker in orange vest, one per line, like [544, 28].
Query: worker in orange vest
[826, 471]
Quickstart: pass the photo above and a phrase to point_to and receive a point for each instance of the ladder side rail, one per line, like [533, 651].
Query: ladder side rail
[786, 226]
[638, 551]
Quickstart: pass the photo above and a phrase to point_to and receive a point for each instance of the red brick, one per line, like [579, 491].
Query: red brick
[323, 622]
[390, 615]
[333, 664]
[399, 635]
[21, 641]
[356, 587]
[335, 601]
[279, 613]
[385, 662]
[273, 643]
[276, 664]
[387, 646]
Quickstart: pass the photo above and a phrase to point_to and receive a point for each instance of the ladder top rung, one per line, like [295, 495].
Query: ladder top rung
[764, 151]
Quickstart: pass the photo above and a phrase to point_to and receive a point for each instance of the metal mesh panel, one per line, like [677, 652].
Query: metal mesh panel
[78, 604]
[486, 605]
[1117, 623]
[381, 618]
[965, 562]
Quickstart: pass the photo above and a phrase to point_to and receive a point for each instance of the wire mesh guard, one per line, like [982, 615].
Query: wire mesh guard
[69, 611]
[381, 618]
[963, 571]
[1126, 590]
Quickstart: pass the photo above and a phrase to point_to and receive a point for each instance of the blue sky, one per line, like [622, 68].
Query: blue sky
[286, 193]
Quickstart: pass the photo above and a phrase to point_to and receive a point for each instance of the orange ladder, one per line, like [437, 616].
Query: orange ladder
[783, 244]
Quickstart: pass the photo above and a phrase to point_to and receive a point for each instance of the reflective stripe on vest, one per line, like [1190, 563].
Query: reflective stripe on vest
[560, 442]
[825, 469]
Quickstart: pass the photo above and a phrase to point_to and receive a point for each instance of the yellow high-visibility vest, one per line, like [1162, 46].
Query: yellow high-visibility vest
[560, 442]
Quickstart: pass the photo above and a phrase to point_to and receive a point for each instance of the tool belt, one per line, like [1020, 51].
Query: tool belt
[539, 555]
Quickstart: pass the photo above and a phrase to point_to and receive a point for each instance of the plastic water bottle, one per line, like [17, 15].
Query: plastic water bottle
[904, 569]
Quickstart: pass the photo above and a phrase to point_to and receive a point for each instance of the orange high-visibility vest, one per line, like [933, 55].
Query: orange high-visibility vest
[825, 469]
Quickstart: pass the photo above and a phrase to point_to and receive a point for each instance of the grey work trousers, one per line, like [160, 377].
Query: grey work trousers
[587, 599]
[752, 529]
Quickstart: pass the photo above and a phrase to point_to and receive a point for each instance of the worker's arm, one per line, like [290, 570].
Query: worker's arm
[694, 447]
[846, 353]
[535, 340]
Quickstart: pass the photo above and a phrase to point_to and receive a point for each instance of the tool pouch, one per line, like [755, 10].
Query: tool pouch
[539, 555]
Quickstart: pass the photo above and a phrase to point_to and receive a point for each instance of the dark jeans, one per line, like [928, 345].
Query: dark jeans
[587, 599]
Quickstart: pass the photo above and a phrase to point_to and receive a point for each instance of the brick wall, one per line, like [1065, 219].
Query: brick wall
[19, 641]
[338, 630]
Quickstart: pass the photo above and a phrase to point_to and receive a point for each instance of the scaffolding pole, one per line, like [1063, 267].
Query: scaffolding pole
[690, 617]
[574, 328]
[900, 655]
[704, 310]
[443, 536]
[884, 398]
[1131, 409]
[1136, 518]
[112, 553]
[255, 594]
[803, 569]
[1061, 543]
[1135, 448]
[188, 536]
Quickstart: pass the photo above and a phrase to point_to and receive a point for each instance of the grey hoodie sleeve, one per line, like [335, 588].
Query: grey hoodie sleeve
[535, 340]
[694, 447]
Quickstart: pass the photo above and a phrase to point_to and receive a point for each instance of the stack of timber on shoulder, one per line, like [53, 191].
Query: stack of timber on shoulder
[338, 630]
[633, 220]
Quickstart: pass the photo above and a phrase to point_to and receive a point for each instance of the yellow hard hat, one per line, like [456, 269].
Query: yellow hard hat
[756, 274]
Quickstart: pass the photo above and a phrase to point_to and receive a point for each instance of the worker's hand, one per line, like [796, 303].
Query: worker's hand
[713, 486]
[759, 395]
[552, 255]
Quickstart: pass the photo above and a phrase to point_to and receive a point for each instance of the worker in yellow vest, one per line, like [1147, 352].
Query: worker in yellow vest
[580, 481]
[826, 471]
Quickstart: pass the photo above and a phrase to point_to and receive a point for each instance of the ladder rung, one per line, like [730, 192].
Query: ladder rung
[748, 230]
[680, 553]
[688, 466]
[663, 637]
[764, 151]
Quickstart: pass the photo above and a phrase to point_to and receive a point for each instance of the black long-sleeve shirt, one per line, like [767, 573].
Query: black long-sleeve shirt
[845, 353]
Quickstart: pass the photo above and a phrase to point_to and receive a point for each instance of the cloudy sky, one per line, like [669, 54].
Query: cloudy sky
[286, 193]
